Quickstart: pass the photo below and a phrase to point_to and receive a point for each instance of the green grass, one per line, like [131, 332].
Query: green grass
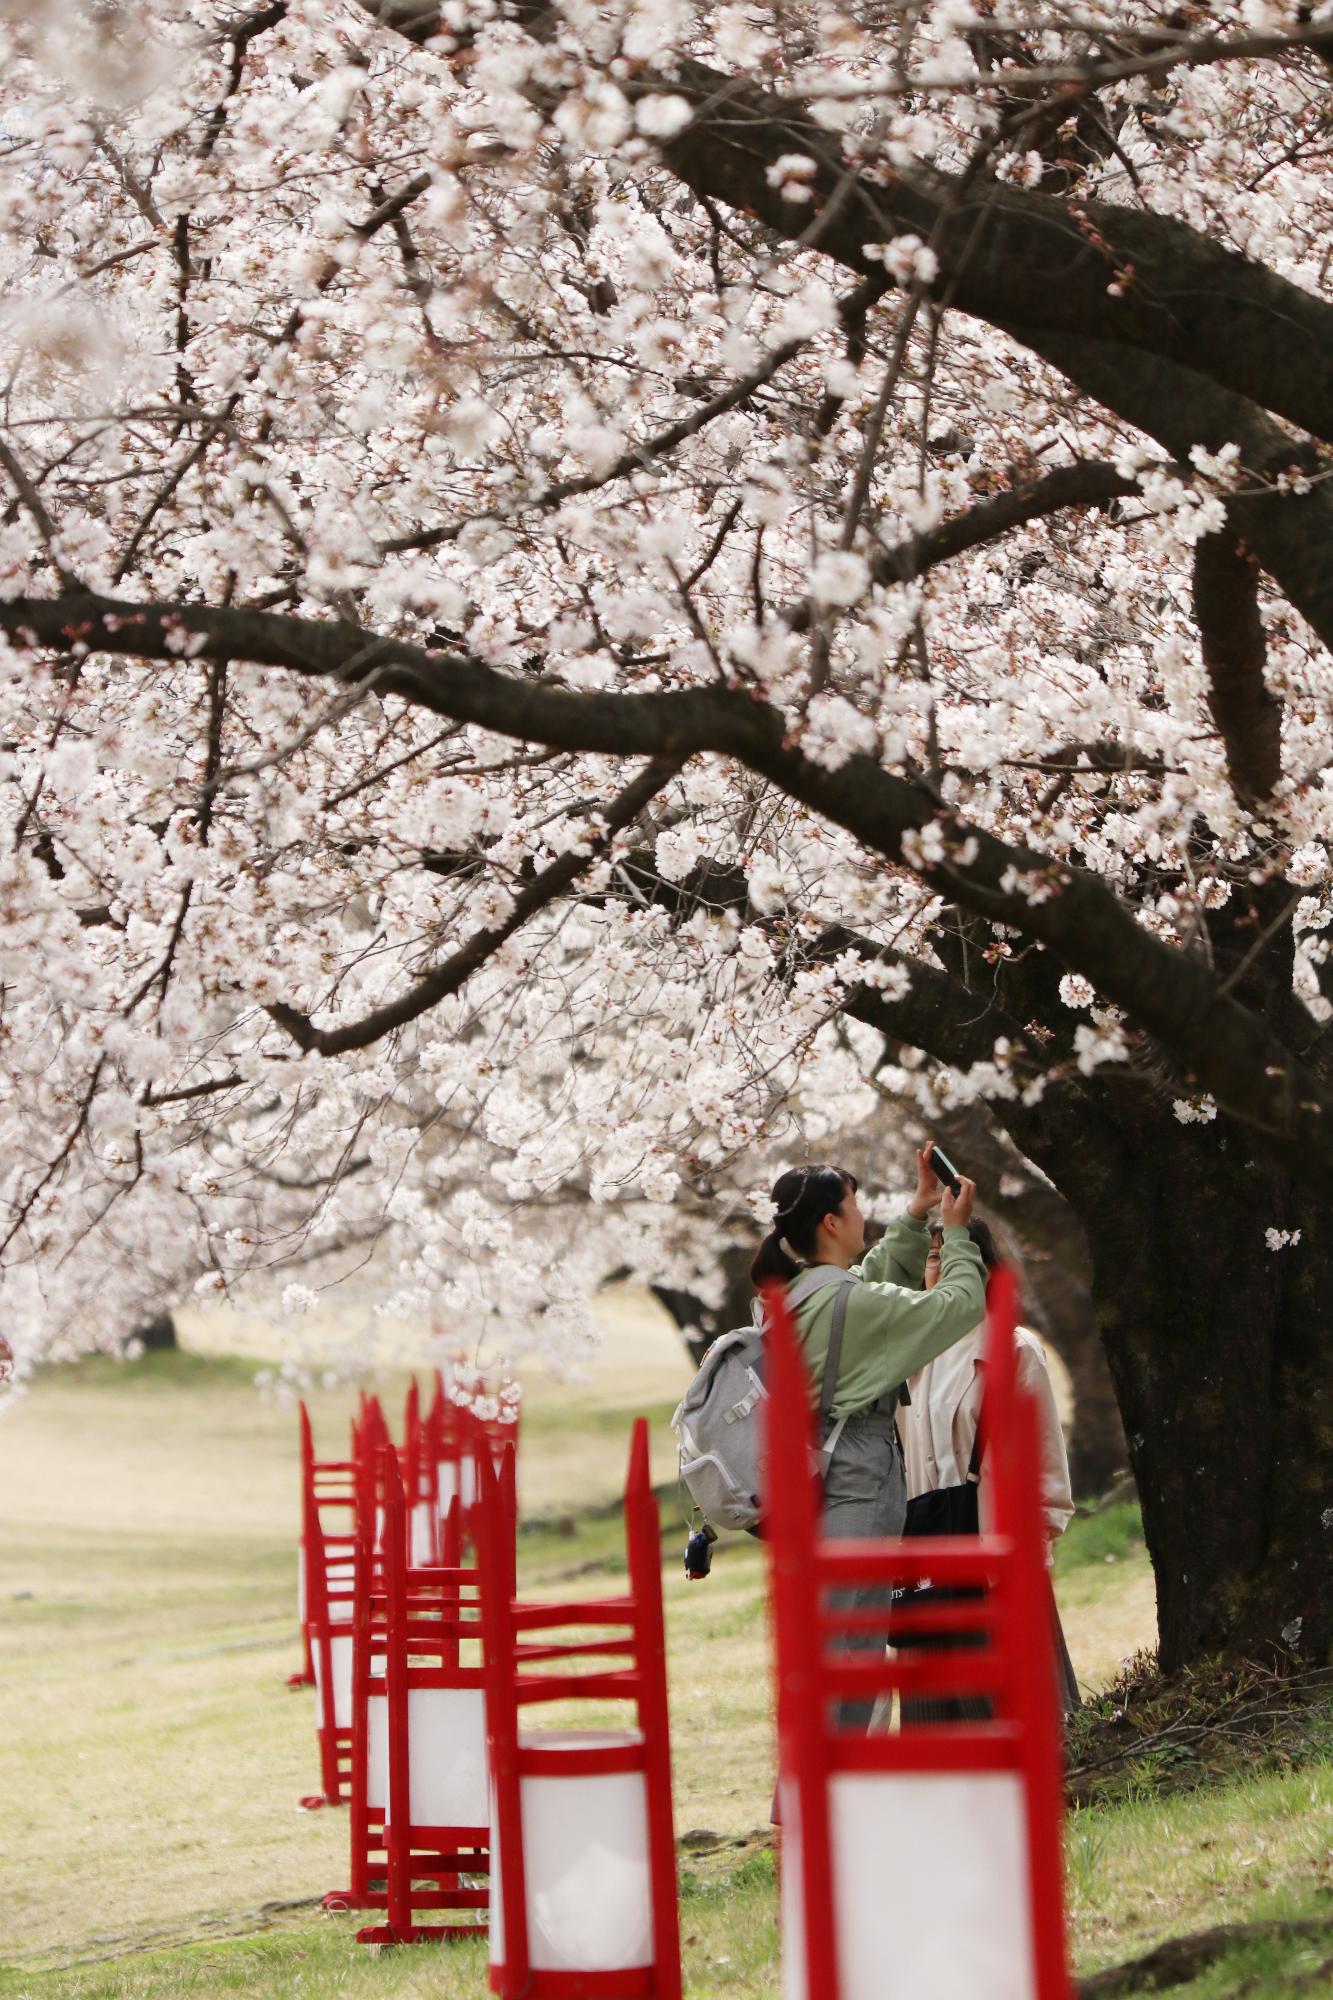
[1115, 1534]
[151, 1757]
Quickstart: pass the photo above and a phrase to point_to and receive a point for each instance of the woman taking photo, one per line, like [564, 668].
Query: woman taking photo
[892, 1328]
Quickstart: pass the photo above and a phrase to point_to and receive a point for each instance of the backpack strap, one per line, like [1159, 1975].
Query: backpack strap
[829, 1386]
[817, 1279]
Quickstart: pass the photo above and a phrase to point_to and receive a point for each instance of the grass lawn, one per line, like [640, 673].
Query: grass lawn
[151, 1757]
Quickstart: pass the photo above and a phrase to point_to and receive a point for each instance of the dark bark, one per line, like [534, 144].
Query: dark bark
[1018, 258]
[1231, 631]
[1055, 1267]
[158, 1335]
[699, 1324]
[1219, 1350]
[1176, 333]
[1064, 1313]
[1287, 530]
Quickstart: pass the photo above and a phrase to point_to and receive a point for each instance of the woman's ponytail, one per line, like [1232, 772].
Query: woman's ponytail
[772, 1263]
[801, 1198]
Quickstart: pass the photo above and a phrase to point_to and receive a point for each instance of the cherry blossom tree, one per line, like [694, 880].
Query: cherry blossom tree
[585, 587]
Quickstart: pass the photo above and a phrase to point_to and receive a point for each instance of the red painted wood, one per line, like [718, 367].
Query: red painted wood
[421, 1651]
[512, 1685]
[494, 1488]
[537, 1761]
[792, 1527]
[1014, 1668]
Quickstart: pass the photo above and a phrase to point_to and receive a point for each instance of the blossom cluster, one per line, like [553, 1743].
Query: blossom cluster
[432, 340]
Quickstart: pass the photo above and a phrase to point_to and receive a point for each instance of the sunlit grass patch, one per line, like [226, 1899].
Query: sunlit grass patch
[1113, 1532]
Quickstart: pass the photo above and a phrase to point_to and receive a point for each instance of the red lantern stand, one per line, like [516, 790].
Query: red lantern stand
[368, 1871]
[435, 1826]
[924, 1864]
[420, 1485]
[582, 1842]
[451, 1429]
[328, 1486]
[330, 1581]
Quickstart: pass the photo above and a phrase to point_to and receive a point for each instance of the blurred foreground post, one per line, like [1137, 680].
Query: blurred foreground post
[926, 1864]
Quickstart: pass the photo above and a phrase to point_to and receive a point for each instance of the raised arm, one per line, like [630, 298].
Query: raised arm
[899, 1258]
[915, 1326]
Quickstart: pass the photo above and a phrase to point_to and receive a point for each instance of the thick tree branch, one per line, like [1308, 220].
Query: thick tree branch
[1172, 995]
[1179, 335]
[1231, 631]
[1283, 506]
[1015, 257]
[1086, 483]
[457, 969]
[1158, 363]
[1010, 256]
[937, 1013]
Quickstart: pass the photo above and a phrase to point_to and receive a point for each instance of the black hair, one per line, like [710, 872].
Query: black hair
[802, 1197]
[985, 1242]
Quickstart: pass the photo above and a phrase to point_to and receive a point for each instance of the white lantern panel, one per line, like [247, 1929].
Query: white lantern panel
[423, 1536]
[446, 1750]
[341, 1650]
[585, 1859]
[930, 1880]
[456, 1481]
[377, 1752]
[495, 1916]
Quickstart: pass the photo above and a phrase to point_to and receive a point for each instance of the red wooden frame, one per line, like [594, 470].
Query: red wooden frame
[431, 1614]
[1014, 1669]
[330, 1605]
[368, 1869]
[325, 1600]
[449, 1432]
[327, 1485]
[529, 1662]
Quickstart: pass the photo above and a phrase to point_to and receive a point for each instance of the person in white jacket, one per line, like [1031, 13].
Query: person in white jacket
[938, 1431]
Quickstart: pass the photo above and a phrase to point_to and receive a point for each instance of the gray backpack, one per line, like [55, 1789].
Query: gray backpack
[716, 1424]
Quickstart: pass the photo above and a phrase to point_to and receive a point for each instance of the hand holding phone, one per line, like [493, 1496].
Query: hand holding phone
[956, 1209]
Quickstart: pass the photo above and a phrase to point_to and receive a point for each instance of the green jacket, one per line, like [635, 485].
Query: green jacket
[894, 1326]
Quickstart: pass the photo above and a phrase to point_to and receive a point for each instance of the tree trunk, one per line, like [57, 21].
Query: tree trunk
[157, 1334]
[699, 1324]
[1219, 1349]
[1056, 1268]
[1062, 1310]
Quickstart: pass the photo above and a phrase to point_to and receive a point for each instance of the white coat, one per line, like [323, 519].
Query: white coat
[939, 1427]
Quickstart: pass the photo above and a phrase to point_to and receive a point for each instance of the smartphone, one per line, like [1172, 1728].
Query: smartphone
[944, 1170]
